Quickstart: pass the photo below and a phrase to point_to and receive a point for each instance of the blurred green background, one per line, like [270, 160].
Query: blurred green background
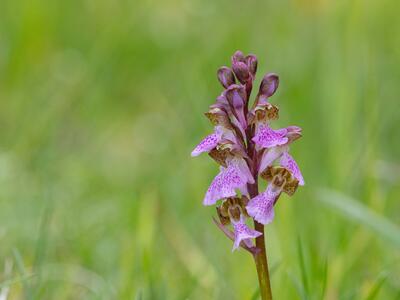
[101, 103]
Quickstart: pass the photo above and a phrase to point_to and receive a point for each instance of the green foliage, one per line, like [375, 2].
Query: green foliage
[101, 103]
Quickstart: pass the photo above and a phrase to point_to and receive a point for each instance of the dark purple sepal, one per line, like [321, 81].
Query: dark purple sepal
[251, 61]
[241, 71]
[236, 97]
[268, 85]
[226, 76]
[238, 56]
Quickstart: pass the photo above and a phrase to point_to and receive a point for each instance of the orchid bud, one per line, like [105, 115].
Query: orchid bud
[251, 61]
[238, 57]
[241, 71]
[269, 85]
[236, 96]
[226, 76]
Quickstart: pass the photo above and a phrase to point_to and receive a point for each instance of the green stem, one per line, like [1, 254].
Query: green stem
[260, 259]
[260, 256]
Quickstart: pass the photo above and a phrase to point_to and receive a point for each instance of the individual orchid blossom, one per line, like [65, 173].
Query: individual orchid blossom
[235, 176]
[289, 163]
[211, 141]
[243, 233]
[207, 144]
[261, 207]
[267, 137]
[281, 179]
[233, 211]
[271, 154]
[246, 147]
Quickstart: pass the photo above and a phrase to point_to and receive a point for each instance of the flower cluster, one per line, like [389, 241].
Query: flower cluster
[246, 146]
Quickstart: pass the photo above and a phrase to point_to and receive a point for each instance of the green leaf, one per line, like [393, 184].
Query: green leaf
[256, 294]
[377, 286]
[15, 280]
[302, 267]
[325, 278]
[358, 212]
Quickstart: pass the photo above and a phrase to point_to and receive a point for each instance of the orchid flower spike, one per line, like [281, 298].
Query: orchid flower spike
[246, 146]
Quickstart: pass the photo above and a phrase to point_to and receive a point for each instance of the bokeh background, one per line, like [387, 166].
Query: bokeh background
[101, 103]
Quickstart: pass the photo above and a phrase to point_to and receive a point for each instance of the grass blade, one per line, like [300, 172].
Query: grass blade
[377, 286]
[297, 286]
[357, 211]
[18, 279]
[325, 278]
[21, 269]
[256, 294]
[302, 267]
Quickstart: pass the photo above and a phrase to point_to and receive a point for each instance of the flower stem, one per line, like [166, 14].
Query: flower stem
[260, 259]
[260, 256]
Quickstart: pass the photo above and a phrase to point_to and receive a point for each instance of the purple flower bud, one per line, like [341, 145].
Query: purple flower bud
[238, 57]
[269, 85]
[241, 71]
[251, 61]
[226, 76]
[223, 103]
[236, 96]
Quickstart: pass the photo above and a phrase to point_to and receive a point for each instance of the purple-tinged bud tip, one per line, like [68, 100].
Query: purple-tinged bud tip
[241, 71]
[252, 62]
[226, 76]
[269, 85]
[236, 96]
[238, 56]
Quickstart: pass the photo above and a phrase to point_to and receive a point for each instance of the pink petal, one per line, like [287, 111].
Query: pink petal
[289, 163]
[243, 233]
[261, 207]
[268, 138]
[244, 170]
[227, 181]
[207, 144]
[269, 156]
